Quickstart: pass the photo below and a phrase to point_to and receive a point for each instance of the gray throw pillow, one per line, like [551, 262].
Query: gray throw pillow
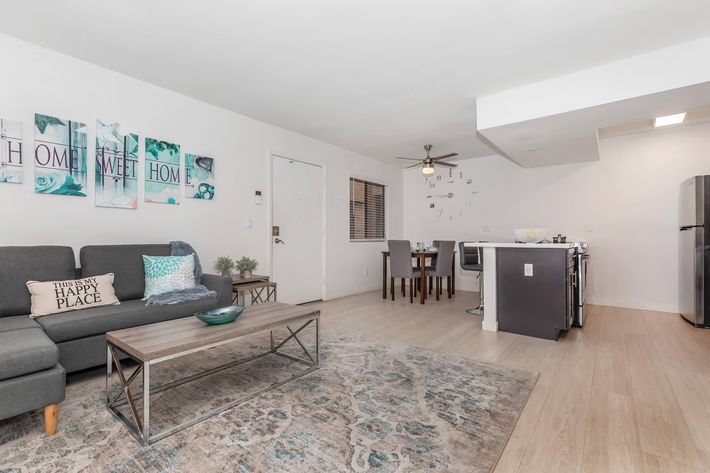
[180, 248]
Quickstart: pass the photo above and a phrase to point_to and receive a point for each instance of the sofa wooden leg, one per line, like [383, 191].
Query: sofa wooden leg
[50, 419]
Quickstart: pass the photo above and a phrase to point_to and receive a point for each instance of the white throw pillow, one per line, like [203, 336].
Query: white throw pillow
[53, 297]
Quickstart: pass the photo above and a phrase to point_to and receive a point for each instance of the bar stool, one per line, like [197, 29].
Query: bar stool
[471, 259]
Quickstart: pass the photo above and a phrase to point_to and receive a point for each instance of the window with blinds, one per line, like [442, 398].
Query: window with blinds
[367, 210]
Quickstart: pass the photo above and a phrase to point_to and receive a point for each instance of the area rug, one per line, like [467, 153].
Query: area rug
[372, 406]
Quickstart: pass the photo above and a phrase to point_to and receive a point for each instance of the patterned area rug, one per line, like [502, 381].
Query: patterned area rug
[372, 406]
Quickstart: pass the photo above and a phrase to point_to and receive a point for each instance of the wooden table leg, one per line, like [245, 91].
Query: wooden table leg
[384, 276]
[50, 419]
[453, 275]
[422, 278]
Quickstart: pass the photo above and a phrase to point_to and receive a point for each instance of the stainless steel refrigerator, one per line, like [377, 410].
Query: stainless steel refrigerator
[695, 250]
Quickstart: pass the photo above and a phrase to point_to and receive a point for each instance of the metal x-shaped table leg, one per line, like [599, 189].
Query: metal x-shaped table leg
[125, 387]
[294, 335]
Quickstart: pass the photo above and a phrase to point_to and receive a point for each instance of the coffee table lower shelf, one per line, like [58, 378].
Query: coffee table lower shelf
[139, 426]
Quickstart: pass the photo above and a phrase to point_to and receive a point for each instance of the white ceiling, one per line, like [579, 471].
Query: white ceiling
[572, 137]
[380, 78]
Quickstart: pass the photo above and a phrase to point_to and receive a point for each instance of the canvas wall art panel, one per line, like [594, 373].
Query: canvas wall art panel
[162, 172]
[11, 156]
[60, 156]
[199, 177]
[116, 167]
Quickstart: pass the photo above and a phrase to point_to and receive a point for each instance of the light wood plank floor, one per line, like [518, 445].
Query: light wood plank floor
[630, 392]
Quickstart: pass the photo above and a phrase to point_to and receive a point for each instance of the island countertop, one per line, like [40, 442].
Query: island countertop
[494, 244]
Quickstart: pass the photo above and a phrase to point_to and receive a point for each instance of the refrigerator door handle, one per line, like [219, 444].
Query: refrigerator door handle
[688, 227]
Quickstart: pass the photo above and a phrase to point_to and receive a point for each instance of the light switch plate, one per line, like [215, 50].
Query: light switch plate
[528, 269]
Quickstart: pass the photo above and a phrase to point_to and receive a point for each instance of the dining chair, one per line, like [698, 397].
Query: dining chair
[442, 268]
[401, 266]
[471, 259]
[435, 244]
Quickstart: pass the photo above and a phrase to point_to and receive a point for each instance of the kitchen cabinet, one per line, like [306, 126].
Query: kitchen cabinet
[535, 290]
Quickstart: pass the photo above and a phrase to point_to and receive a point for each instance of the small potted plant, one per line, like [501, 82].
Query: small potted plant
[224, 265]
[246, 266]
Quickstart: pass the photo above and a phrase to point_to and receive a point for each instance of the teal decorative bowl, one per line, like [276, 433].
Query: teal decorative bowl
[223, 315]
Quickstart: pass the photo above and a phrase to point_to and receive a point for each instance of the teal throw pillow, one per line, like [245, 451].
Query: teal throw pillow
[168, 273]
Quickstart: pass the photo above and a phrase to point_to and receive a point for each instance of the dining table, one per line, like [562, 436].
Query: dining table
[421, 257]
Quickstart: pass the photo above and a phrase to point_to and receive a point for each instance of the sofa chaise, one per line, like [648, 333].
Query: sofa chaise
[36, 353]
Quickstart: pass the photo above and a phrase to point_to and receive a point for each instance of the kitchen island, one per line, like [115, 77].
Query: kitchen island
[524, 283]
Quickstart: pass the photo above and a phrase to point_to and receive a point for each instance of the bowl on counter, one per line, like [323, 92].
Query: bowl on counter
[531, 235]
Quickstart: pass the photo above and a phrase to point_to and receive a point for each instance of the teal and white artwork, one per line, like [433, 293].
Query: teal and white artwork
[116, 167]
[199, 177]
[10, 151]
[162, 172]
[60, 156]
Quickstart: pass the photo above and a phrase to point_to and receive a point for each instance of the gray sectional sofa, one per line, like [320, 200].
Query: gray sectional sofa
[36, 353]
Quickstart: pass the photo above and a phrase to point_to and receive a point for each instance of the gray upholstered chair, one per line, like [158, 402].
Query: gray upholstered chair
[435, 244]
[401, 266]
[471, 259]
[442, 266]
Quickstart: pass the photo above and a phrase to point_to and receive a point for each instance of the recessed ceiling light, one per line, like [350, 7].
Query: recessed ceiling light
[669, 120]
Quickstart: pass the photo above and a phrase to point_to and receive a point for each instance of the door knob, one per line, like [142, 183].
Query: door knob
[279, 240]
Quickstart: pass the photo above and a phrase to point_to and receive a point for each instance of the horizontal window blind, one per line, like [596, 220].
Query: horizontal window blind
[367, 210]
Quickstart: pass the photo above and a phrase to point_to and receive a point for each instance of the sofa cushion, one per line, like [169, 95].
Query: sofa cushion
[30, 392]
[26, 351]
[19, 264]
[17, 322]
[124, 261]
[97, 320]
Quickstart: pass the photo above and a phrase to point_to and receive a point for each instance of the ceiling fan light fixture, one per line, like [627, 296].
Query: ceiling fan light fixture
[427, 169]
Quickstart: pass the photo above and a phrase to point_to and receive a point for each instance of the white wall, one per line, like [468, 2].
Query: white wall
[38, 80]
[629, 197]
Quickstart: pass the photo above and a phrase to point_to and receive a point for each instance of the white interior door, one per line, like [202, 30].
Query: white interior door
[297, 211]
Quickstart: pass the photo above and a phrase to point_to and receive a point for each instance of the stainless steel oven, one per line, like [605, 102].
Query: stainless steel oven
[581, 280]
[571, 289]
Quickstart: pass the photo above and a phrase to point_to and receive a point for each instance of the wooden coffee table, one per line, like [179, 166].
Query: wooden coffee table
[151, 344]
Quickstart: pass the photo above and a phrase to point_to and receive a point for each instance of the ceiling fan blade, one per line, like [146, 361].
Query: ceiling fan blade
[449, 165]
[413, 166]
[408, 159]
[444, 156]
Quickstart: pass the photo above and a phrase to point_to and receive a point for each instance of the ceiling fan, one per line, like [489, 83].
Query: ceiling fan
[428, 163]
